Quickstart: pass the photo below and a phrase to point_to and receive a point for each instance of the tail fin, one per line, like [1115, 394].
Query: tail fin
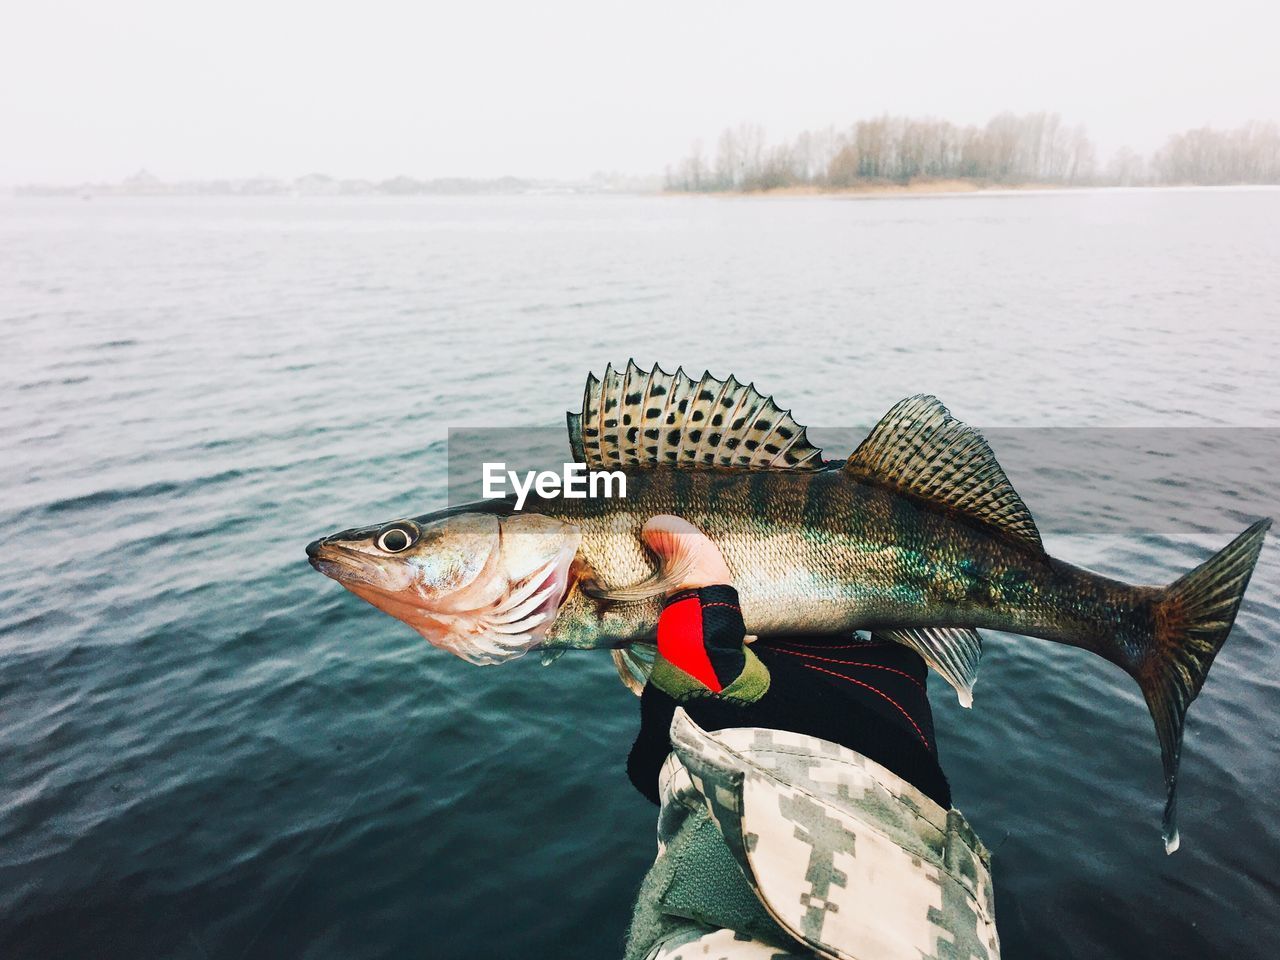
[1193, 616]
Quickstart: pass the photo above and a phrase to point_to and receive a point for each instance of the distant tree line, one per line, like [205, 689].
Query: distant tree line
[1248, 154]
[1035, 148]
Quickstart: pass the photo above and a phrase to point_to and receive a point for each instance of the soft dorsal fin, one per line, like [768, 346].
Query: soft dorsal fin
[634, 418]
[918, 447]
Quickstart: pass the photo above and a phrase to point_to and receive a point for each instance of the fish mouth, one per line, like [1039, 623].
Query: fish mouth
[318, 561]
[327, 567]
[338, 563]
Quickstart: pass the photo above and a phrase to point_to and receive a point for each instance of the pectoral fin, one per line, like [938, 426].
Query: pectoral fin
[952, 651]
[670, 575]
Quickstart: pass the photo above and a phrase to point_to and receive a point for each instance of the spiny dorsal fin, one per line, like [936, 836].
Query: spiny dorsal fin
[920, 448]
[634, 418]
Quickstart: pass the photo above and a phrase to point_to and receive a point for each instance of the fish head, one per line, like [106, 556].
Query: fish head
[480, 581]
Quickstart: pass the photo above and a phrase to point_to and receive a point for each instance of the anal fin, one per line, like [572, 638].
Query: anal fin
[953, 652]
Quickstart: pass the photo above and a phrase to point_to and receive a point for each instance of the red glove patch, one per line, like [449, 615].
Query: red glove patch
[680, 641]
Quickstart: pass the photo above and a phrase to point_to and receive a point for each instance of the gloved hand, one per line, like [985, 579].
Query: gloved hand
[701, 637]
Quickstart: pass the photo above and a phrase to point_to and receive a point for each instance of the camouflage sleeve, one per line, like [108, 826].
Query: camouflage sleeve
[848, 858]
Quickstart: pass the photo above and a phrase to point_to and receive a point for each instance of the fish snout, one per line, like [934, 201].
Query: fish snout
[316, 547]
[316, 552]
[324, 558]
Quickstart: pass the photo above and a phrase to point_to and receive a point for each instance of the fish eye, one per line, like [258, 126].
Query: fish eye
[395, 539]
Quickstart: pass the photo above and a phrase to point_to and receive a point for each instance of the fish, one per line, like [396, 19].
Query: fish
[918, 536]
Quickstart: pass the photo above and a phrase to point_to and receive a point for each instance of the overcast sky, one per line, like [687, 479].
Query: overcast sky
[96, 90]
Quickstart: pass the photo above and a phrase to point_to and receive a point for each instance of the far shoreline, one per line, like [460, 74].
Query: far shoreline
[919, 190]
[951, 188]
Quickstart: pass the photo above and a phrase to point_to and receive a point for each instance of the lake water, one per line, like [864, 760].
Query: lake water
[209, 750]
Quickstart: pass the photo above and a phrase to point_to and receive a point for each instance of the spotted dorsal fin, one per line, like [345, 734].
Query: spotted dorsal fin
[919, 448]
[634, 418]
